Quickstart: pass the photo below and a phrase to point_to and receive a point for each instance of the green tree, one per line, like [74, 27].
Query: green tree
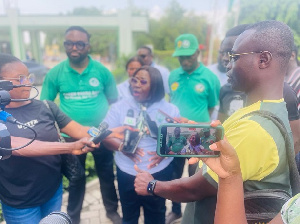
[163, 32]
[287, 11]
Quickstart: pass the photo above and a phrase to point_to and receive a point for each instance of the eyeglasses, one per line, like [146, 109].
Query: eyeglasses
[23, 78]
[136, 81]
[235, 57]
[143, 55]
[80, 45]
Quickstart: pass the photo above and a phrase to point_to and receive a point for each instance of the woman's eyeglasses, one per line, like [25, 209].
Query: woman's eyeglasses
[136, 81]
[23, 78]
[80, 45]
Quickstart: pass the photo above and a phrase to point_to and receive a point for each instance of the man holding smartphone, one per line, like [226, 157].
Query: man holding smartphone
[258, 64]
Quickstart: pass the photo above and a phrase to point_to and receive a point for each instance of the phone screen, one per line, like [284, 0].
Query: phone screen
[184, 140]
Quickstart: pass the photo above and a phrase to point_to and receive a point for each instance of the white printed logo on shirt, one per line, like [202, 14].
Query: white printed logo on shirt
[94, 82]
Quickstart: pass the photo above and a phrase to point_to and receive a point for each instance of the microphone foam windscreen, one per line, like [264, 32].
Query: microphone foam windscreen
[56, 218]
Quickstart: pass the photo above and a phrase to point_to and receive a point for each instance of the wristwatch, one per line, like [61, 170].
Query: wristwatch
[151, 186]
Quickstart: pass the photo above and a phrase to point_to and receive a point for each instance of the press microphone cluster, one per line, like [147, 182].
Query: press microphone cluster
[132, 139]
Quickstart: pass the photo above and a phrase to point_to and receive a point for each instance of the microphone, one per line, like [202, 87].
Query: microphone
[56, 218]
[130, 121]
[135, 137]
[5, 142]
[102, 134]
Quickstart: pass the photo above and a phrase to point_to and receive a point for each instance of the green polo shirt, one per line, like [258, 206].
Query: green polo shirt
[207, 141]
[194, 94]
[177, 144]
[84, 97]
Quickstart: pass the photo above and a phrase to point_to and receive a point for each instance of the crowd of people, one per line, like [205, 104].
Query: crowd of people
[260, 61]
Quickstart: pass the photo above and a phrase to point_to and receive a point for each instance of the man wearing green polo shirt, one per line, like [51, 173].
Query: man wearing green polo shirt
[207, 139]
[177, 142]
[194, 89]
[86, 88]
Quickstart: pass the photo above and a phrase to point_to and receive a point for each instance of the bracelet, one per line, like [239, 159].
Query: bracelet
[151, 186]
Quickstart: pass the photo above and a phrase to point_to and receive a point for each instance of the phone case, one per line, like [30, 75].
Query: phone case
[161, 140]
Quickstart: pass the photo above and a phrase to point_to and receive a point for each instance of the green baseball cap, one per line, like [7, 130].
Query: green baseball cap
[185, 45]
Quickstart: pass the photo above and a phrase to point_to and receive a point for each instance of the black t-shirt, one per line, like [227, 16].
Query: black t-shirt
[31, 181]
[290, 97]
[231, 100]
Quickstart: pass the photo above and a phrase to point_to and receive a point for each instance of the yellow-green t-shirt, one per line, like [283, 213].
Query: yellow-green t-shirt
[260, 147]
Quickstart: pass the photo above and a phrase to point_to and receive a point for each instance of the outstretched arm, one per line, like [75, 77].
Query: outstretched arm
[40, 148]
[185, 189]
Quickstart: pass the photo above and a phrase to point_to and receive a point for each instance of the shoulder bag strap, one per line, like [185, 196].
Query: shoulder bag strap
[294, 174]
[55, 123]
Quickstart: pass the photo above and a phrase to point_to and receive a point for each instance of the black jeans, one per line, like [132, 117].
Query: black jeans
[154, 207]
[104, 168]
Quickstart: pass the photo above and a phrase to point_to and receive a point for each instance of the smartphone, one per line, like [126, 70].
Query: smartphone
[172, 119]
[188, 140]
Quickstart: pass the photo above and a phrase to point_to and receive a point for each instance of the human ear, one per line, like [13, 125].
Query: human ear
[265, 59]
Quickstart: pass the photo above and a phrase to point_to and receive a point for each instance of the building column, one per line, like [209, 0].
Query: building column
[125, 32]
[15, 34]
[35, 43]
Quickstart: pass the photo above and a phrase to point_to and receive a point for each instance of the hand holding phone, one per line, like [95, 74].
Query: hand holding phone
[172, 119]
[188, 140]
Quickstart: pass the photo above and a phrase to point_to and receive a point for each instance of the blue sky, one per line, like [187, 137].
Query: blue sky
[63, 6]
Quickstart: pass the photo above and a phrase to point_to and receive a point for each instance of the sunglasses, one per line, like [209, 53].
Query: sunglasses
[23, 79]
[80, 45]
[136, 81]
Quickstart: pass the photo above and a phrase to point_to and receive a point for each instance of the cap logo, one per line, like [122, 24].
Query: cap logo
[179, 43]
[186, 44]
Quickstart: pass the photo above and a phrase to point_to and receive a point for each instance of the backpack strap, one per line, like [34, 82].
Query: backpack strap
[294, 174]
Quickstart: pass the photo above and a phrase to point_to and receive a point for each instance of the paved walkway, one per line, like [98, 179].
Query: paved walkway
[93, 211]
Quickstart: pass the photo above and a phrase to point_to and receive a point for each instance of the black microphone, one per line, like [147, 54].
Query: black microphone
[102, 134]
[5, 142]
[130, 121]
[56, 218]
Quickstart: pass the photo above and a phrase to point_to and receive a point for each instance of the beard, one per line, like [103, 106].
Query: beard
[76, 59]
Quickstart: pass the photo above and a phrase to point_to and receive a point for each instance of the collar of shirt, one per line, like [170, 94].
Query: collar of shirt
[68, 68]
[197, 71]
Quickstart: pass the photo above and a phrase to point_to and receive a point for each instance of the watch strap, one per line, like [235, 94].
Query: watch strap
[151, 187]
